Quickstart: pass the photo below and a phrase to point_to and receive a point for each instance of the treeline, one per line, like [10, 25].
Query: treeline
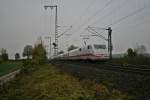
[135, 56]
[36, 54]
[3, 55]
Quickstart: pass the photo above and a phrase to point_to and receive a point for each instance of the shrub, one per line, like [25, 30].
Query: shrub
[39, 54]
[28, 66]
[0, 60]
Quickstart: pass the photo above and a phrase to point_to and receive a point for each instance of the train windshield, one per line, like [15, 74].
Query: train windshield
[89, 47]
[99, 46]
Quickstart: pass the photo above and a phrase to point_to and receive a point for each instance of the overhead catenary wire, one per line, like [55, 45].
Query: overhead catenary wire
[129, 15]
[141, 21]
[108, 14]
[64, 32]
[118, 20]
[96, 33]
[95, 14]
[84, 12]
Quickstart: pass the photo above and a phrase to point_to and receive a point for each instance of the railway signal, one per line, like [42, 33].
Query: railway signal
[109, 39]
[109, 42]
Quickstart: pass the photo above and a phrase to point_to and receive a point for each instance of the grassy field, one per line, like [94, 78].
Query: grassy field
[8, 67]
[50, 83]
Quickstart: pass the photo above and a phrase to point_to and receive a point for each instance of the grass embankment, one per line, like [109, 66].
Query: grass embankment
[7, 67]
[139, 60]
[49, 83]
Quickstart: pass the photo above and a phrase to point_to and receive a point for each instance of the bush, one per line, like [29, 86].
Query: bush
[137, 60]
[28, 66]
[1, 61]
[39, 54]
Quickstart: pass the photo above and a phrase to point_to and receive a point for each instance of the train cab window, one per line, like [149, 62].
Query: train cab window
[89, 47]
[80, 49]
[99, 46]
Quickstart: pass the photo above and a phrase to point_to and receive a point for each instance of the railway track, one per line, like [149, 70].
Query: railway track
[134, 69]
[131, 69]
[8, 77]
[138, 69]
[134, 81]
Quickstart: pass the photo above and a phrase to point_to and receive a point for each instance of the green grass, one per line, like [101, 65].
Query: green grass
[139, 60]
[7, 67]
[50, 83]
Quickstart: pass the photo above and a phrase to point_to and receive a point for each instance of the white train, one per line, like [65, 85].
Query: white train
[89, 52]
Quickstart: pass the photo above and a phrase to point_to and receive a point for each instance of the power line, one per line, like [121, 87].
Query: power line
[139, 22]
[108, 14]
[86, 10]
[129, 15]
[98, 34]
[65, 32]
[95, 14]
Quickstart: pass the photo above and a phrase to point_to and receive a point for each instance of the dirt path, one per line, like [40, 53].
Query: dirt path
[8, 77]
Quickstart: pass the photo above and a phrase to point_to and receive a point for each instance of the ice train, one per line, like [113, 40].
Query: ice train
[88, 52]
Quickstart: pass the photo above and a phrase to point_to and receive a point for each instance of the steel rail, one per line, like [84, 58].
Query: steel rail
[134, 69]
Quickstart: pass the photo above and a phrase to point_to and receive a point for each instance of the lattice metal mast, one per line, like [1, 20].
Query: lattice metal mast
[56, 27]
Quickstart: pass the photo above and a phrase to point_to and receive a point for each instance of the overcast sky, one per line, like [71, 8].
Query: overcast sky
[23, 21]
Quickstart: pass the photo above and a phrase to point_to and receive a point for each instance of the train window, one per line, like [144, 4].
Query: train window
[89, 47]
[80, 49]
[99, 46]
